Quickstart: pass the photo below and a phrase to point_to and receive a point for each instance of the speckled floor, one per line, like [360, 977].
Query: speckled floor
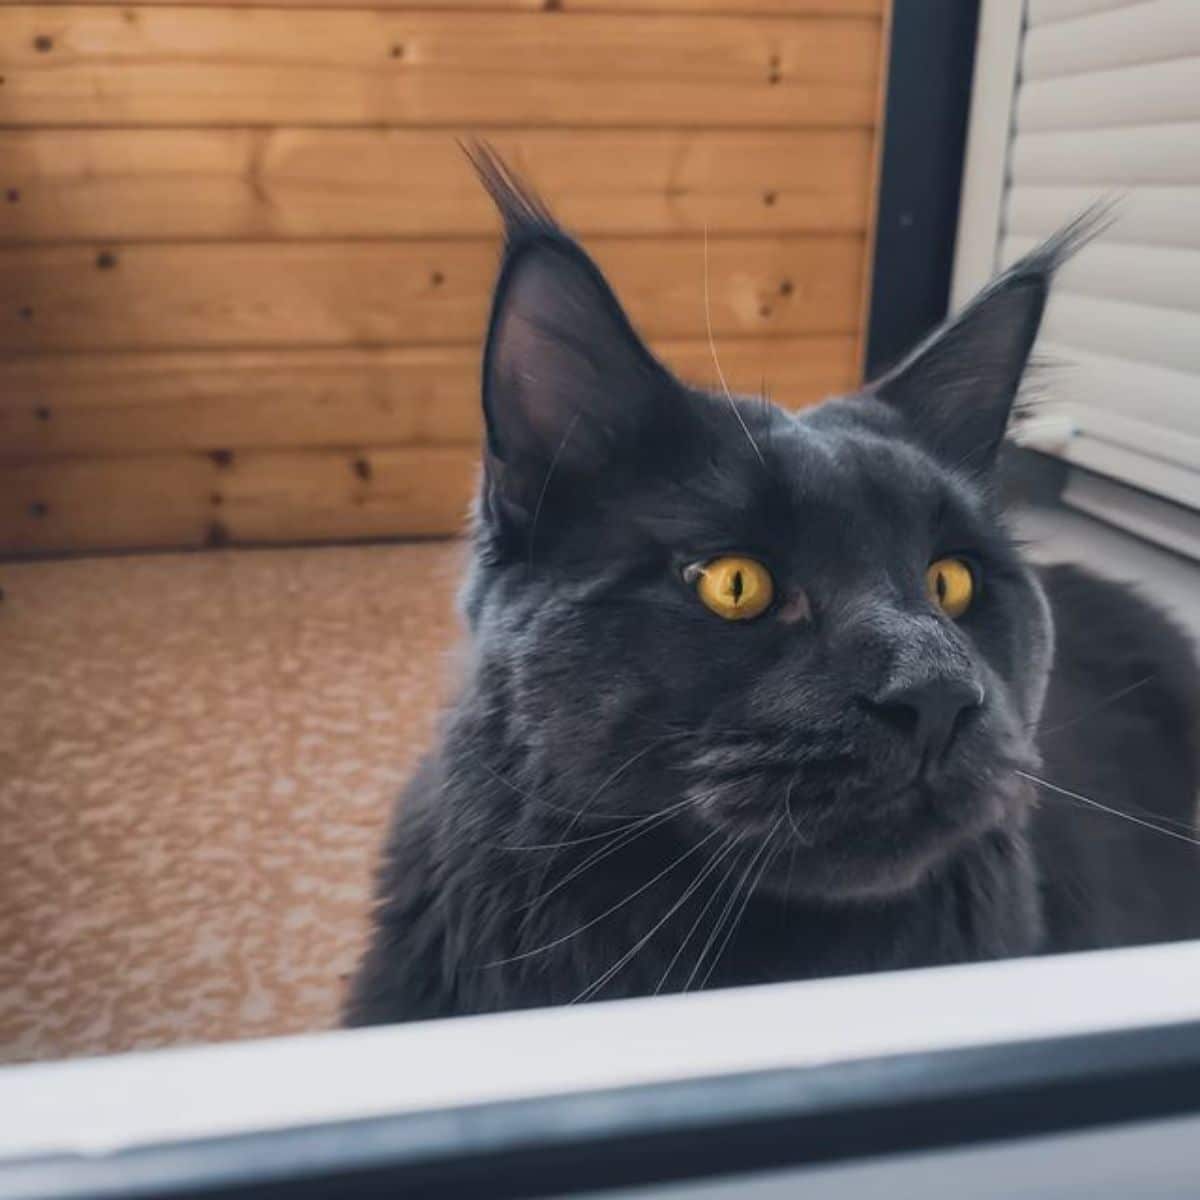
[197, 756]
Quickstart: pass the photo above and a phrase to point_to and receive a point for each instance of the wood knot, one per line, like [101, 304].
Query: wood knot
[786, 288]
[221, 458]
[39, 509]
[106, 260]
[25, 312]
[362, 468]
[217, 534]
[13, 195]
[43, 43]
[42, 413]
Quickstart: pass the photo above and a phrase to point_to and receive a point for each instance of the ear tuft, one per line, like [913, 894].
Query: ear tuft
[525, 216]
[957, 389]
[568, 386]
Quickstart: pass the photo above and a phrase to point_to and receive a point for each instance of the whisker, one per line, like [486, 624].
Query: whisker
[787, 808]
[608, 912]
[615, 775]
[1103, 704]
[737, 920]
[730, 903]
[537, 801]
[604, 835]
[605, 851]
[1116, 812]
[1129, 809]
[621, 839]
[695, 924]
[712, 345]
[708, 868]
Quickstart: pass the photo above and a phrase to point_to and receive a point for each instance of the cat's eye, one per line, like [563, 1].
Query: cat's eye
[950, 583]
[735, 588]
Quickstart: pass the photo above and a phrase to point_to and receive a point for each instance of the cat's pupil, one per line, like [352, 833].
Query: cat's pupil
[735, 587]
[941, 585]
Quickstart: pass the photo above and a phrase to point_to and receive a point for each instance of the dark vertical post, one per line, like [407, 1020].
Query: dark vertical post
[931, 63]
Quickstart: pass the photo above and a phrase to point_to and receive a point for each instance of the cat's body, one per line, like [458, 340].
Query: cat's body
[1121, 727]
[633, 793]
[454, 901]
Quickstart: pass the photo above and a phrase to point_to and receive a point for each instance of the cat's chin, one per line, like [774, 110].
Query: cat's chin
[895, 862]
[892, 844]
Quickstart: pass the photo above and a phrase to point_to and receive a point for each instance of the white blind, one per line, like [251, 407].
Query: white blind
[1106, 103]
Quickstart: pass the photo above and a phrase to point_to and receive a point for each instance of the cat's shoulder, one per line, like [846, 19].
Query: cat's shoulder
[1122, 711]
[1118, 628]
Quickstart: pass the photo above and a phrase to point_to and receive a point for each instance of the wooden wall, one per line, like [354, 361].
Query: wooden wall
[244, 268]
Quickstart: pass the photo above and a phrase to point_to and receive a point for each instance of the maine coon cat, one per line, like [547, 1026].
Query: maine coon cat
[752, 695]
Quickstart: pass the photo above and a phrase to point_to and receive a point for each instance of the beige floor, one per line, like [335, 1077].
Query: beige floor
[197, 754]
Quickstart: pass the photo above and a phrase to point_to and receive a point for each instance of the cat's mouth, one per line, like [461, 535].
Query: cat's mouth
[859, 826]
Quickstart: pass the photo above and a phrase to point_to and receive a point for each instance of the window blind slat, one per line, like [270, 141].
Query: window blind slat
[1043, 12]
[1105, 99]
[1180, 484]
[1155, 154]
[1142, 391]
[1146, 438]
[1145, 275]
[1145, 216]
[1132, 331]
[1153, 32]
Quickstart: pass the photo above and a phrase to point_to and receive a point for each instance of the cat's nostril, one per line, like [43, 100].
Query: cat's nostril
[901, 717]
[931, 711]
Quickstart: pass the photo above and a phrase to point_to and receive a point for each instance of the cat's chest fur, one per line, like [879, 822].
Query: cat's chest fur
[476, 924]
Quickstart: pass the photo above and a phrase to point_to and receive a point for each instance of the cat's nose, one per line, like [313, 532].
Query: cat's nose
[930, 710]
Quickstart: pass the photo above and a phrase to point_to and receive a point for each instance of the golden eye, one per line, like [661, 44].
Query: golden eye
[950, 585]
[738, 589]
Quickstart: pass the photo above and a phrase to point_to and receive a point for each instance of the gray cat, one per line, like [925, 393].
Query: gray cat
[752, 695]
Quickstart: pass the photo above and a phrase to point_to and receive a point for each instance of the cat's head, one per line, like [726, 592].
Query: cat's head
[806, 625]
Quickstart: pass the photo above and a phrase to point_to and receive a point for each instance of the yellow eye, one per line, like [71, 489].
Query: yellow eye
[737, 589]
[950, 585]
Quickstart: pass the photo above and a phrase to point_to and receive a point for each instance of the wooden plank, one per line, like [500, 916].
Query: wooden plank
[85, 184]
[247, 295]
[193, 500]
[74, 65]
[825, 8]
[125, 404]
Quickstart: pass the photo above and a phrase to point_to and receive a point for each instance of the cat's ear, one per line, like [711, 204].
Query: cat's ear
[567, 382]
[956, 390]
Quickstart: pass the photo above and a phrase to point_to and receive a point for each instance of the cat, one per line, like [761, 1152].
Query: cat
[751, 695]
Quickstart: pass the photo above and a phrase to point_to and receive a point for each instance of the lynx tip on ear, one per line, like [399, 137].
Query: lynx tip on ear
[524, 213]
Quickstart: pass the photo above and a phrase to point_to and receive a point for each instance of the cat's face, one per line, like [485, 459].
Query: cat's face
[869, 717]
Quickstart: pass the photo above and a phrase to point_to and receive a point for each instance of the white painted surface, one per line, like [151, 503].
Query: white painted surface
[1043, 12]
[1158, 277]
[142, 1099]
[988, 134]
[1138, 95]
[1149, 216]
[1150, 32]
